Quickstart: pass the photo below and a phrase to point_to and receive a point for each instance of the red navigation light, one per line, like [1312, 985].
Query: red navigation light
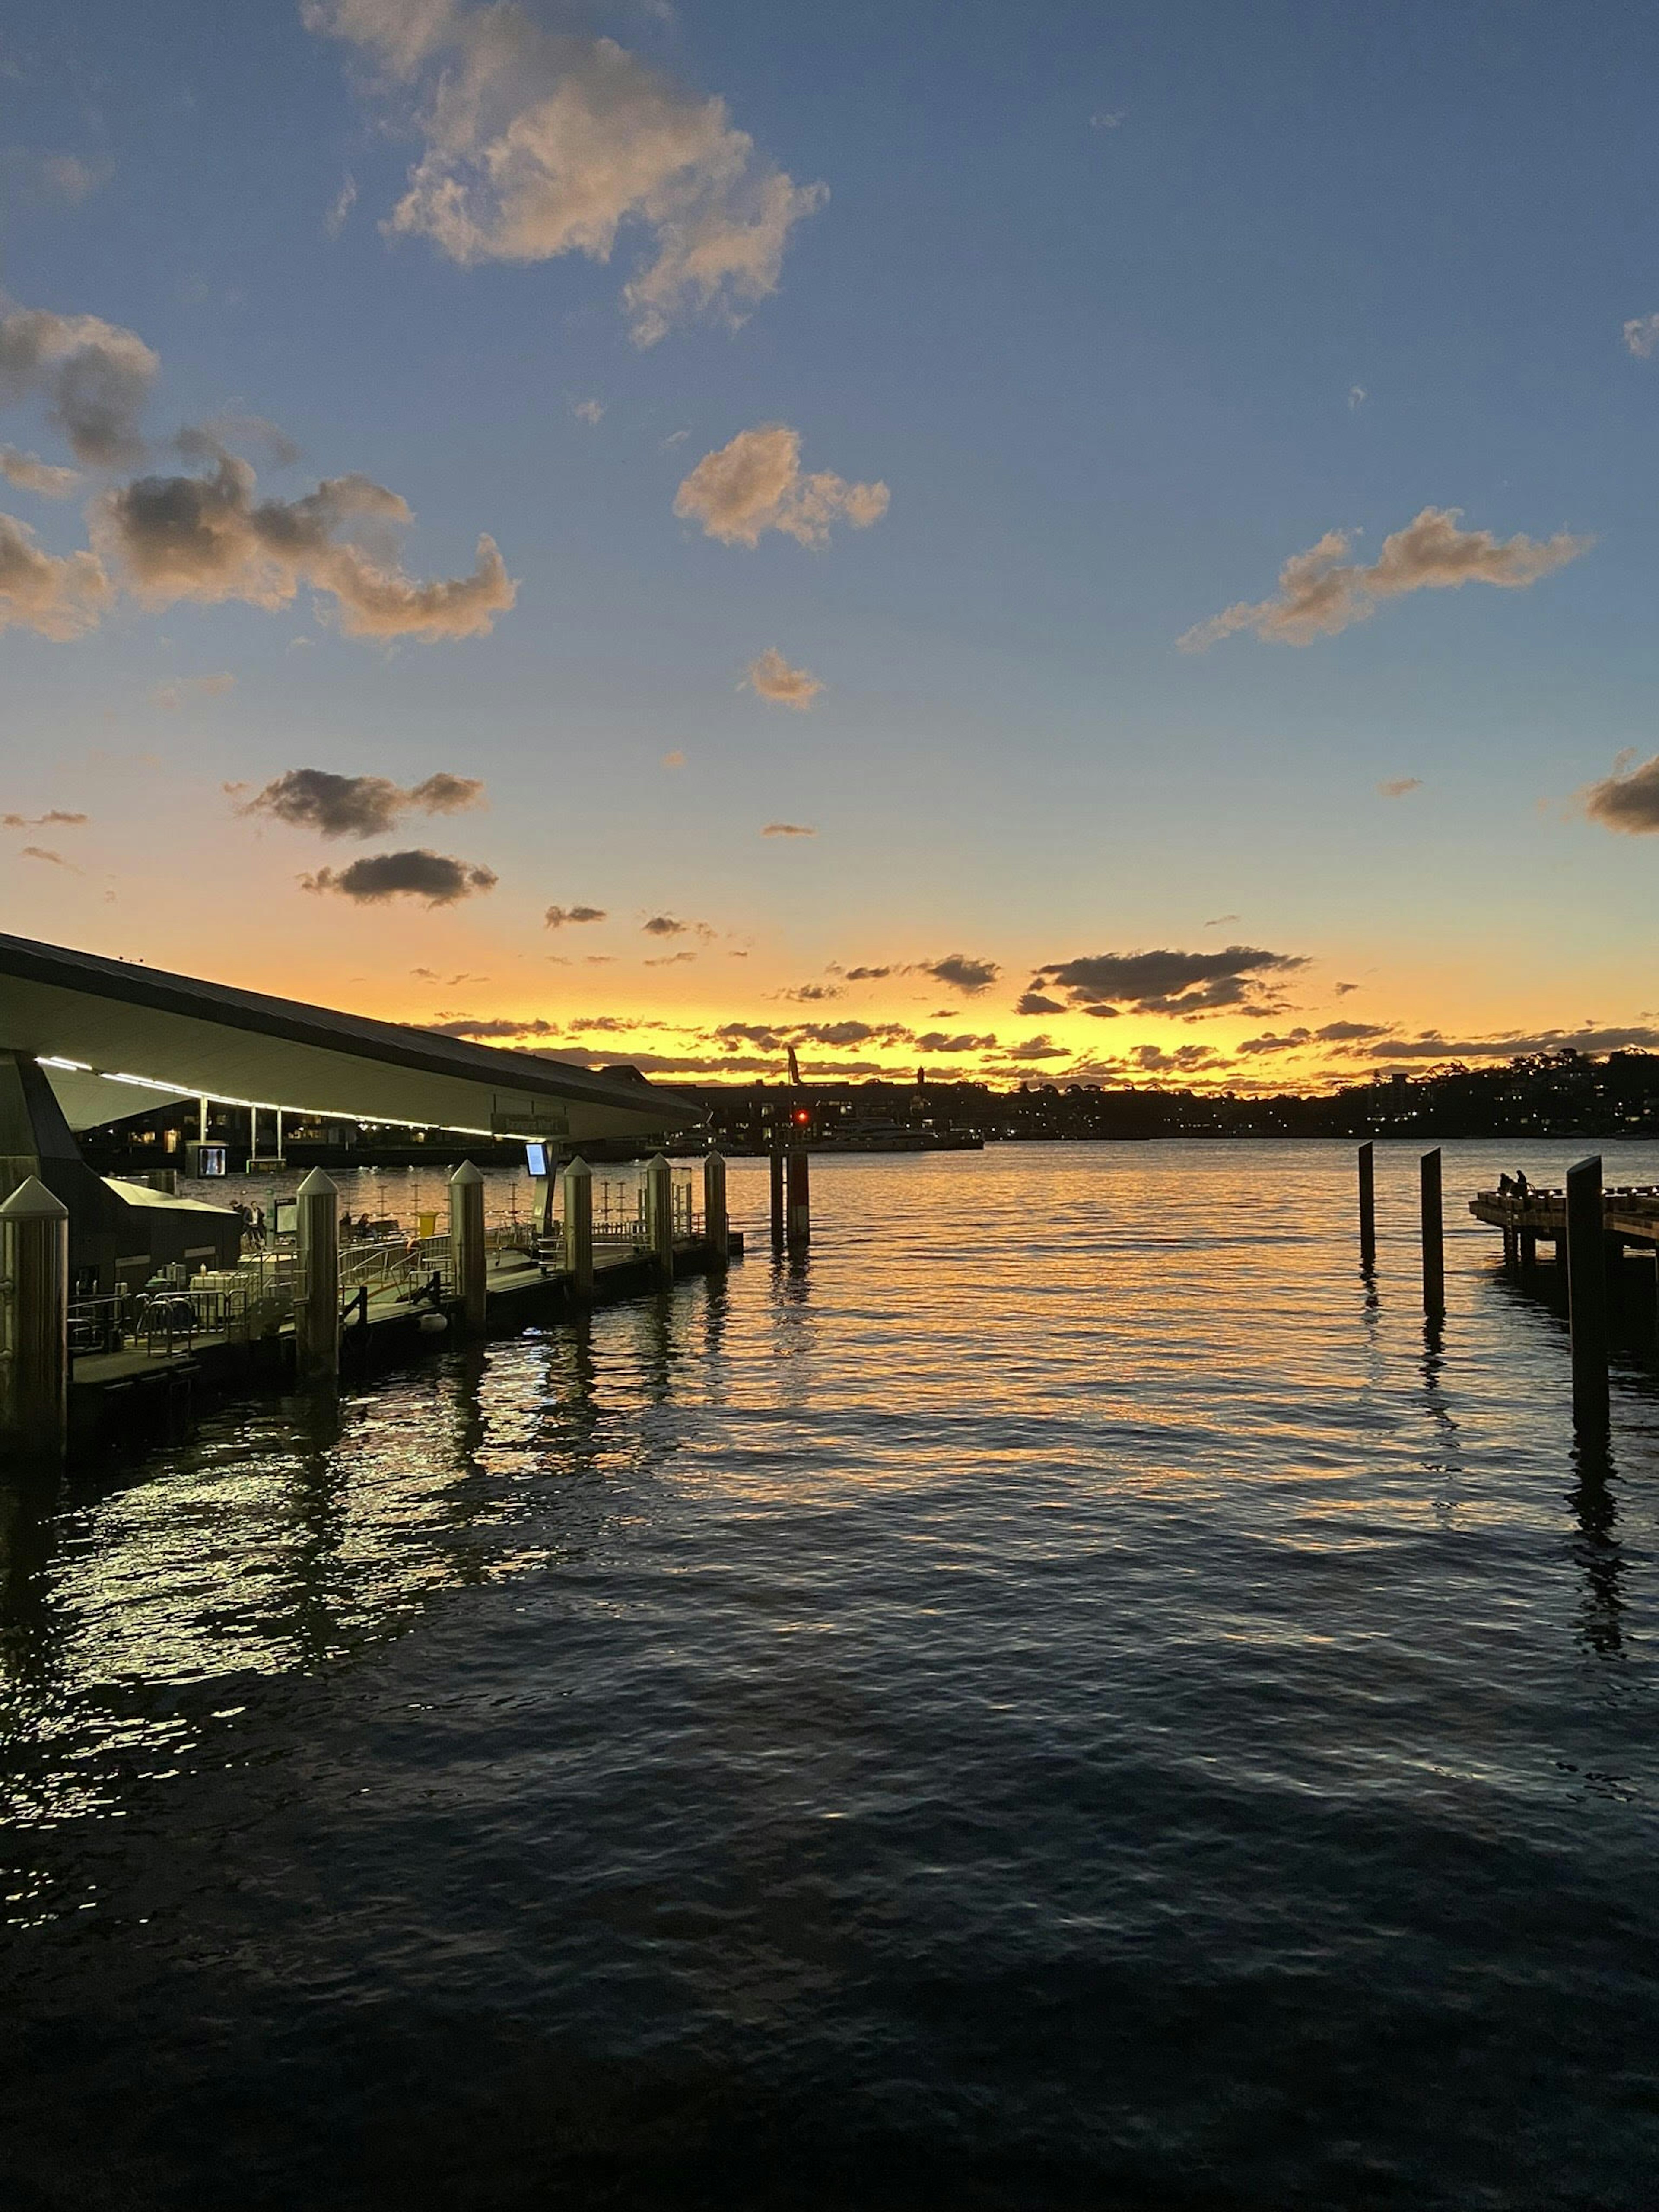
[801, 1113]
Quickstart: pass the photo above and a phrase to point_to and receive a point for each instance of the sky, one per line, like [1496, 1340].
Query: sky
[1092, 541]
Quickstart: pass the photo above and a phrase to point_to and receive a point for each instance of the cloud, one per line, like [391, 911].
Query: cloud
[56, 595]
[1320, 593]
[1037, 1048]
[55, 817]
[208, 538]
[359, 806]
[1351, 1032]
[788, 830]
[1165, 982]
[557, 916]
[539, 142]
[1217, 919]
[1154, 1059]
[29, 473]
[94, 375]
[1357, 396]
[1642, 336]
[1398, 787]
[674, 759]
[1428, 1044]
[1107, 121]
[1628, 799]
[1343, 989]
[812, 993]
[869, 974]
[771, 677]
[237, 427]
[591, 411]
[174, 695]
[497, 1026]
[960, 971]
[41, 852]
[1033, 1002]
[664, 925]
[344, 200]
[671, 960]
[938, 1041]
[67, 177]
[755, 484]
[433, 878]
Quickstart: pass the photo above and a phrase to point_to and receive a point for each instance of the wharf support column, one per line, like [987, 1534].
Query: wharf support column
[716, 1222]
[1587, 1298]
[1367, 1208]
[799, 1233]
[316, 1310]
[776, 1167]
[660, 1217]
[1434, 1238]
[35, 1364]
[467, 1246]
[579, 1226]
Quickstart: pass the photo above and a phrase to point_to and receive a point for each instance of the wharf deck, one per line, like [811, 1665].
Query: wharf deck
[106, 1388]
[1629, 1213]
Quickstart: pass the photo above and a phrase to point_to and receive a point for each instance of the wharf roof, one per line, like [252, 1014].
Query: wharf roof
[117, 1037]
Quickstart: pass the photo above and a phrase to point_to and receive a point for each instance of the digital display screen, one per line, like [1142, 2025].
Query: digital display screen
[535, 1158]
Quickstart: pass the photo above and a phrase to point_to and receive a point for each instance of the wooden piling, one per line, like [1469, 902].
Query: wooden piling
[660, 1217]
[716, 1223]
[579, 1226]
[467, 1246]
[776, 1165]
[1587, 1296]
[1367, 1208]
[1434, 1246]
[34, 1365]
[316, 1310]
[799, 1232]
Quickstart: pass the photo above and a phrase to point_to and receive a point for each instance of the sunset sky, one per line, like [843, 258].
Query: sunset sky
[1076, 541]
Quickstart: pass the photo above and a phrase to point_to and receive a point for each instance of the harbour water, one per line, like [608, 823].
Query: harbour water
[1065, 1696]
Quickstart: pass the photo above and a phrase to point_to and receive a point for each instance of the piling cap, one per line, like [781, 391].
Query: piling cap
[577, 1166]
[466, 1173]
[659, 1161]
[32, 1202]
[712, 1158]
[318, 1185]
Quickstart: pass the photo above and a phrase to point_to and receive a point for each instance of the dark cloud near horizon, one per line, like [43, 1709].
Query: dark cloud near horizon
[359, 806]
[869, 974]
[1164, 981]
[1033, 1002]
[961, 971]
[54, 817]
[557, 916]
[433, 878]
[1428, 1044]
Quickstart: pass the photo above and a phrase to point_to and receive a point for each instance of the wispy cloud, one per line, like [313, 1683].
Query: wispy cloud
[557, 916]
[788, 830]
[1642, 336]
[771, 677]
[55, 817]
[359, 806]
[540, 141]
[209, 538]
[1320, 592]
[344, 200]
[755, 484]
[591, 411]
[185, 688]
[961, 971]
[1398, 787]
[56, 595]
[30, 473]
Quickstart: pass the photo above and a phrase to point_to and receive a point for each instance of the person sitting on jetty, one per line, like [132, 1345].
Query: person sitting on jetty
[1519, 1182]
[1505, 1187]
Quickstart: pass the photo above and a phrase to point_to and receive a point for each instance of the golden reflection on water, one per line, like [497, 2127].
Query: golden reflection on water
[1009, 1356]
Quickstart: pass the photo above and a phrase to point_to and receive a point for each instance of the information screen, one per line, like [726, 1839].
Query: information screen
[535, 1158]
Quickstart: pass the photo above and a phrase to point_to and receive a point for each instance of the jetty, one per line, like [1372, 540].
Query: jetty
[121, 1298]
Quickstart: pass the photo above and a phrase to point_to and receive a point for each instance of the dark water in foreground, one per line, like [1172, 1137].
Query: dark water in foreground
[1061, 1700]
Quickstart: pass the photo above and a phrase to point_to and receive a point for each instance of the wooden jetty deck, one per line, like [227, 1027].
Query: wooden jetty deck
[143, 1386]
[1629, 1213]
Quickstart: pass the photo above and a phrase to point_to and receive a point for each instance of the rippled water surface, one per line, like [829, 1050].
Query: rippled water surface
[1065, 1696]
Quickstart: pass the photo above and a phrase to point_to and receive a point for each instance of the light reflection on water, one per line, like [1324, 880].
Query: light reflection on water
[1069, 1673]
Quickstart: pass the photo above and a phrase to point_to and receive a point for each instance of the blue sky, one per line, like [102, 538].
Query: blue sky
[1124, 306]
